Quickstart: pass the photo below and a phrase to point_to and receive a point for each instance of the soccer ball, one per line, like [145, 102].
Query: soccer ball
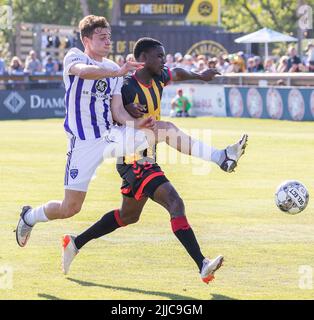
[291, 197]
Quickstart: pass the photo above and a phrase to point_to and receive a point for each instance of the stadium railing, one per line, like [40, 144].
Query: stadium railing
[255, 79]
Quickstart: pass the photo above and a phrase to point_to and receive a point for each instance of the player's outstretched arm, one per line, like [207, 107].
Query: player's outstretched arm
[121, 116]
[92, 72]
[179, 74]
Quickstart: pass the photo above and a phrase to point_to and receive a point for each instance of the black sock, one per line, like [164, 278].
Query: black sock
[186, 236]
[107, 224]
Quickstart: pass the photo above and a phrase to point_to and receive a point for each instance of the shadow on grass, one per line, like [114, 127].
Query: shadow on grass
[221, 297]
[168, 295]
[48, 296]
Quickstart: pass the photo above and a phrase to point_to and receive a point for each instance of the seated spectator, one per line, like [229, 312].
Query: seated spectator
[283, 64]
[188, 63]
[293, 60]
[51, 67]
[310, 57]
[32, 64]
[16, 66]
[212, 63]
[180, 105]
[259, 64]
[178, 60]
[251, 66]
[222, 63]
[169, 61]
[269, 65]
[119, 60]
[2, 65]
[297, 67]
[200, 66]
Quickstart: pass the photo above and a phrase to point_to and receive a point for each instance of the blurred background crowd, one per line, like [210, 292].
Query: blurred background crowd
[224, 63]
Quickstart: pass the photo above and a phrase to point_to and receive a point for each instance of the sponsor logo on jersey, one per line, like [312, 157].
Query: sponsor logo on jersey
[101, 85]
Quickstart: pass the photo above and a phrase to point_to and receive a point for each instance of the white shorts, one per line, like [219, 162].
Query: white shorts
[85, 156]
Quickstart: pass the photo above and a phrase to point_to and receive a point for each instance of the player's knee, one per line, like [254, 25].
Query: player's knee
[70, 210]
[175, 205]
[129, 218]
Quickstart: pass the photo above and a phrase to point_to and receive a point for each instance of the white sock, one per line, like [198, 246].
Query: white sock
[35, 215]
[207, 153]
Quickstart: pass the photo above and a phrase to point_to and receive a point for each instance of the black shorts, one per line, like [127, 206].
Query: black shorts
[140, 180]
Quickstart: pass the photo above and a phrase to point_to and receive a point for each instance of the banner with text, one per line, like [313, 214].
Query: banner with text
[188, 10]
[32, 104]
[205, 100]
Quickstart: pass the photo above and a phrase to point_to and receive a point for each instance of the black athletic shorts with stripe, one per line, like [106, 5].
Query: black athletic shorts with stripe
[140, 179]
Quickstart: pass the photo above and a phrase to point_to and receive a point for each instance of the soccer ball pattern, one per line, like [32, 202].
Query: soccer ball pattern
[291, 197]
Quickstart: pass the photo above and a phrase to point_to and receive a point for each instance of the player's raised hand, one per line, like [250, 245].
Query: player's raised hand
[146, 123]
[130, 66]
[209, 74]
[136, 110]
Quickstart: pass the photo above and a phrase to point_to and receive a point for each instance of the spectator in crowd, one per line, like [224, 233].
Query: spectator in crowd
[310, 57]
[251, 66]
[212, 62]
[119, 60]
[200, 66]
[237, 64]
[178, 60]
[180, 105]
[283, 64]
[222, 64]
[32, 64]
[51, 67]
[269, 65]
[16, 66]
[293, 59]
[188, 63]
[169, 61]
[259, 64]
[202, 57]
[2, 66]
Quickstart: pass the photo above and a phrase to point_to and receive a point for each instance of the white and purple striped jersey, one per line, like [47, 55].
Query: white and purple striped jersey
[88, 114]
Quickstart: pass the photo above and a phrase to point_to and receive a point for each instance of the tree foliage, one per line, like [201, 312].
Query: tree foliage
[63, 12]
[251, 15]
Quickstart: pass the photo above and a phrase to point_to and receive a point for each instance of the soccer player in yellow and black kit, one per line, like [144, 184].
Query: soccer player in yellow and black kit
[142, 176]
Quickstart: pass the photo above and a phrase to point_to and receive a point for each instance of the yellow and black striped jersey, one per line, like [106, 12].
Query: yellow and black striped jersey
[133, 91]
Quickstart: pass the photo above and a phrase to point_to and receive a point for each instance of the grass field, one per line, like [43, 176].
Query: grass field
[231, 214]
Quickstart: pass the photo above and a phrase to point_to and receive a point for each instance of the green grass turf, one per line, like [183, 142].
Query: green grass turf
[231, 214]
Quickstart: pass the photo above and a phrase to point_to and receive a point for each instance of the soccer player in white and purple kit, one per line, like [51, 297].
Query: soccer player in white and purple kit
[93, 98]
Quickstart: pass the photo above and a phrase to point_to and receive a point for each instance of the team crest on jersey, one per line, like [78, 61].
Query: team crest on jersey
[73, 173]
[101, 85]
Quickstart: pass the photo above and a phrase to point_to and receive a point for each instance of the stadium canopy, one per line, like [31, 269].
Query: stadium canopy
[266, 36]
